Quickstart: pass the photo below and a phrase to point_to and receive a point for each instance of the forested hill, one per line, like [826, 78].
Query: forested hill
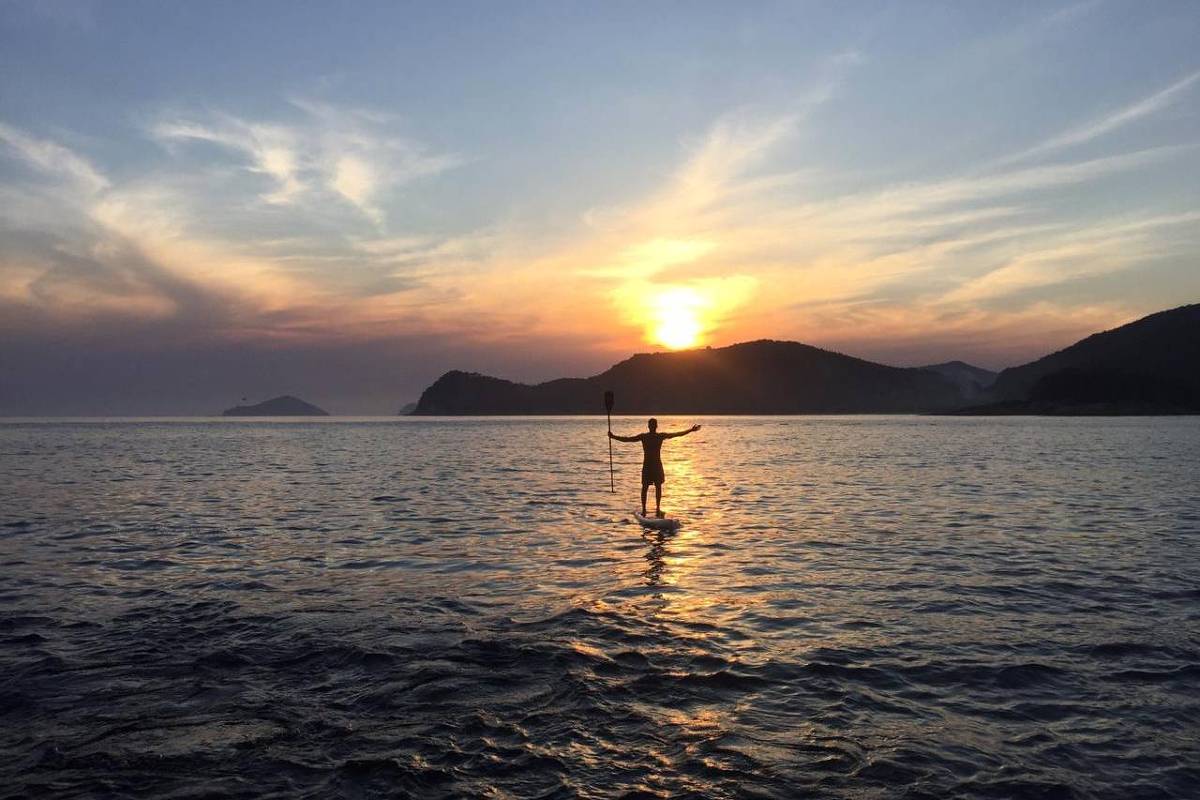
[761, 377]
[1151, 365]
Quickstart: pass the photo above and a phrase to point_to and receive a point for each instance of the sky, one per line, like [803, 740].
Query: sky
[205, 202]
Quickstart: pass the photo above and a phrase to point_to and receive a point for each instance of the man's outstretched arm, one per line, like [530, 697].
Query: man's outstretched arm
[612, 435]
[677, 434]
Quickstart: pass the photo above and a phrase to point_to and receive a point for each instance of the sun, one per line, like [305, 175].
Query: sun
[677, 321]
[678, 328]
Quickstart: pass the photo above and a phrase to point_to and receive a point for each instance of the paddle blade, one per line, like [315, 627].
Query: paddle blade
[608, 401]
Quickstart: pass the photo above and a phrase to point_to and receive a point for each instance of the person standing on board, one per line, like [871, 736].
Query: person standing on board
[652, 467]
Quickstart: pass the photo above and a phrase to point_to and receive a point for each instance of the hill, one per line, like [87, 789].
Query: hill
[1146, 367]
[761, 377]
[974, 383]
[283, 406]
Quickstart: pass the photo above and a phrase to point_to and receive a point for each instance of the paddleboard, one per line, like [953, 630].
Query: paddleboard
[660, 524]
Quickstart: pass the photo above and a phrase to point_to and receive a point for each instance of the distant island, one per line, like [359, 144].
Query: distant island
[406, 409]
[1146, 367]
[283, 406]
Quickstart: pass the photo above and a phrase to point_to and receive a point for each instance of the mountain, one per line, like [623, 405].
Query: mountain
[283, 406]
[761, 377]
[1149, 366]
[973, 382]
[406, 409]
[1146, 367]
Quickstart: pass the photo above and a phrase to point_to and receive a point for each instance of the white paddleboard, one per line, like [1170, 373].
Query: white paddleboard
[657, 523]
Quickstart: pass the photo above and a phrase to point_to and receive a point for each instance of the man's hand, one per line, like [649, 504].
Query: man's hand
[692, 429]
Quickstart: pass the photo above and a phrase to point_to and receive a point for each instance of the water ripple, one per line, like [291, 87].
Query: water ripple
[855, 608]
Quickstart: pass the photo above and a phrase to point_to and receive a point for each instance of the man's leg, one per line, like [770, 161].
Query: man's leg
[657, 499]
[645, 486]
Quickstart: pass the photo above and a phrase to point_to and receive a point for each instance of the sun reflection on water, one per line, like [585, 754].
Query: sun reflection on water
[844, 594]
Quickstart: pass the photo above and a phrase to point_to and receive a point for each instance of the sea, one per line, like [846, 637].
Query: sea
[853, 607]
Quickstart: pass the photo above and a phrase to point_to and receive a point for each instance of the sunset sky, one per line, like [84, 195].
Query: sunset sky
[201, 202]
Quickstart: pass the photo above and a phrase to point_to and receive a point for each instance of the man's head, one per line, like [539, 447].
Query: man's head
[652, 424]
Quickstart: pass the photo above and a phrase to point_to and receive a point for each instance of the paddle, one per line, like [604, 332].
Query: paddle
[608, 405]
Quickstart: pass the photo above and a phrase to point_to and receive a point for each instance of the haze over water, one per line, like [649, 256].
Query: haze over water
[855, 607]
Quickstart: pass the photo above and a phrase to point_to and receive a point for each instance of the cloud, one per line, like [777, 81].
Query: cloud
[354, 180]
[105, 251]
[53, 159]
[1104, 247]
[1096, 128]
[179, 250]
[110, 278]
[734, 145]
[361, 154]
[272, 150]
[730, 212]
[347, 153]
[284, 230]
[921, 197]
[907, 335]
[914, 236]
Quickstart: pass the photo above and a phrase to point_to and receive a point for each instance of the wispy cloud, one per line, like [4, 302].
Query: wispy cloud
[109, 250]
[1145, 107]
[1070, 12]
[272, 150]
[1105, 246]
[351, 154]
[284, 227]
[954, 243]
[49, 157]
[907, 335]
[141, 250]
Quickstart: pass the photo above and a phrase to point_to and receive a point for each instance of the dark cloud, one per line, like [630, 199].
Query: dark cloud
[104, 280]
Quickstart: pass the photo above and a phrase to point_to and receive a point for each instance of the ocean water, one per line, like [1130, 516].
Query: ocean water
[855, 607]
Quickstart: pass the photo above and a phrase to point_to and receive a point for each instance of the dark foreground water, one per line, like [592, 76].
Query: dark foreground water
[856, 607]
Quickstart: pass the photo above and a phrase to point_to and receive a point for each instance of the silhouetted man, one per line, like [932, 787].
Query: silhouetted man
[652, 468]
